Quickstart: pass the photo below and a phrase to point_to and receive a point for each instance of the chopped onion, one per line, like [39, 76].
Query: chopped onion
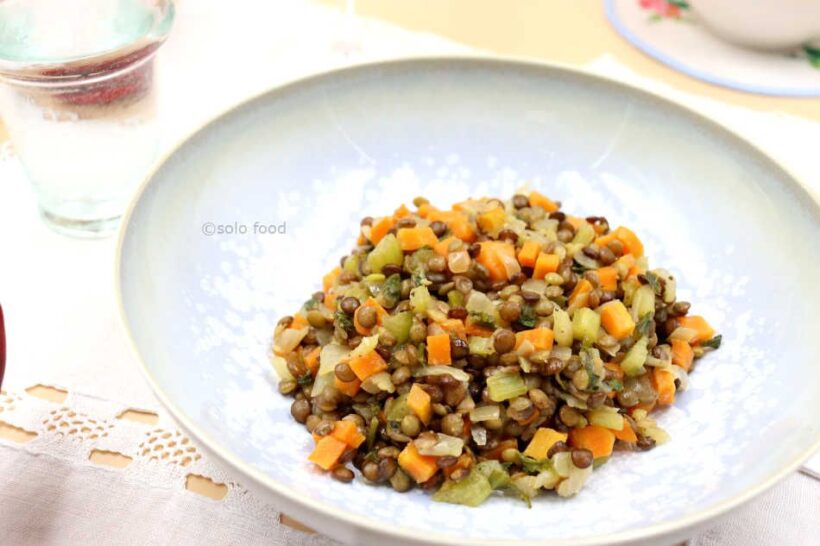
[321, 383]
[380, 382]
[526, 348]
[468, 404]
[445, 445]
[562, 463]
[684, 334]
[331, 354]
[585, 261]
[367, 344]
[534, 285]
[485, 413]
[561, 353]
[575, 481]
[281, 367]
[682, 376]
[457, 374]
[479, 435]
[287, 340]
[511, 265]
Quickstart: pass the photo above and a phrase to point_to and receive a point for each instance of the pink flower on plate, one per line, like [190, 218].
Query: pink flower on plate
[665, 8]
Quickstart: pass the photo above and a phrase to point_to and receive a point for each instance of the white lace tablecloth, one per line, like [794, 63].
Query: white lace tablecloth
[57, 294]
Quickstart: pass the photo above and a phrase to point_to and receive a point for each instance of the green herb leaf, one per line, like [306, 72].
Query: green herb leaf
[391, 291]
[310, 304]
[644, 325]
[422, 354]
[588, 360]
[578, 268]
[483, 319]
[714, 343]
[305, 380]
[528, 316]
[682, 4]
[343, 320]
[655, 282]
[813, 54]
[616, 385]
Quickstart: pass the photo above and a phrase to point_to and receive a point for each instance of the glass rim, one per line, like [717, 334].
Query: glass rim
[96, 66]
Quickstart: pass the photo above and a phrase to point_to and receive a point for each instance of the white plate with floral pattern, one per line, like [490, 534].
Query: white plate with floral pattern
[202, 284]
[669, 31]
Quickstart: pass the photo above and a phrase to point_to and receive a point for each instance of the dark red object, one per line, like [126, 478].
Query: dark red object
[2, 346]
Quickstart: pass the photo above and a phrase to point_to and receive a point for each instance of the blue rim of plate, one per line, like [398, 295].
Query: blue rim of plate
[673, 63]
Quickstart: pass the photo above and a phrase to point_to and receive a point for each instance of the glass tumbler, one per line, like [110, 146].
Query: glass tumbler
[77, 96]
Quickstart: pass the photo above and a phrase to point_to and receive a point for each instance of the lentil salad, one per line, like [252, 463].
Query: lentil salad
[495, 346]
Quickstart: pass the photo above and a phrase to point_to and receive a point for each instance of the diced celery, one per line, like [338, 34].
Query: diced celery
[367, 345]
[643, 302]
[485, 413]
[471, 491]
[388, 251]
[420, 299]
[606, 419]
[584, 235]
[494, 472]
[585, 324]
[632, 364]
[505, 385]
[562, 328]
[374, 278]
[398, 409]
[356, 290]
[630, 286]
[399, 325]
[480, 345]
[482, 307]
[455, 298]
[418, 260]
[352, 264]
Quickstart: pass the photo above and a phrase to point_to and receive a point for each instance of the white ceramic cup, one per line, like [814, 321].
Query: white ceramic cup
[762, 24]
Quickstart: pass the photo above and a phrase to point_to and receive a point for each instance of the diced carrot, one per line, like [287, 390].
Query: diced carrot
[438, 349]
[312, 361]
[616, 320]
[462, 228]
[546, 263]
[580, 294]
[632, 245]
[299, 321]
[492, 220]
[442, 248]
[330, 278]
[350, 388]
[608, 278]
[529, 253]
[663, 381]
[542, 441]
[455, 327]
[615, 368]
[330, 301]
[361, 239]
[416, 237]
[420, 467]
[401, 212]
[315, 437]
[598, 440]
[502, 446]
[327, 452]
[418, 400]
[682, 354]
[499, 259]
[380, 314]
[575, 221]
[699, 325]
[626, 434]
[538, 200]
[425, 209]
[367, 364]
[541, 338]
[465, 460]
[473, 329]
[380, 228]
[348, 432]
[604, 240]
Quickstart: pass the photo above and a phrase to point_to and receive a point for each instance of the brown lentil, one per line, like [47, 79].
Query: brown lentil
[503, 341]
[344, 372]
[349, 305]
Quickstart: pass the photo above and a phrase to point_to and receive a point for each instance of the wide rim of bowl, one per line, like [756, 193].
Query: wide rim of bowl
[321, 509]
